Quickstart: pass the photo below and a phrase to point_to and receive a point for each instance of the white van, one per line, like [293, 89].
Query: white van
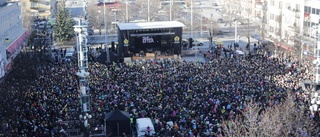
[142, 126]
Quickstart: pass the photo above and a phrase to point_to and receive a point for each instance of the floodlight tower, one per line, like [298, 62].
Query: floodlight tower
[81, 30]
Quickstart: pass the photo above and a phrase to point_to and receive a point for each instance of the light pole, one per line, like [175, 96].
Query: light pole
[148, 10]
[301, 54]
[191, 24]
[115, 16]
[211, 34]
[201, 23]
[171, 2]
[236, 31]
[105, 34]
[82, 51]
[127, 15]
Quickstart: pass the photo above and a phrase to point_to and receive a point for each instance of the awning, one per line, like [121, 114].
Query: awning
[284, 46]
[14, 45]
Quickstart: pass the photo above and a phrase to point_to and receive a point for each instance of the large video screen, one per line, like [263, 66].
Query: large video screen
[148, 42]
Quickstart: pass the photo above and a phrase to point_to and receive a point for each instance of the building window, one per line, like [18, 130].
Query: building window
[272, 3]
[307, 9]
[297, 7]
[313, 11]
[318, 12]
[280, 5]
[271, 16]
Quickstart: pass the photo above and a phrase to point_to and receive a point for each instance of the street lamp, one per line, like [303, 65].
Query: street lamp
[105, 35]
[115, 16]
[236, 31]
[211, 34]
[127, 16]
[201, 22]
[191, 23]
[171, 2]
[148, 10]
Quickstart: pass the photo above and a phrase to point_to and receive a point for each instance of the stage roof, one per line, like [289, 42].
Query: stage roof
[150, 25]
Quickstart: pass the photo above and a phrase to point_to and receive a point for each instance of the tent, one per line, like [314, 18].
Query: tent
[117, 123]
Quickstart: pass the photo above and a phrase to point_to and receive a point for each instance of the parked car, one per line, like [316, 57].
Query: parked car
[197, 43]
[220, 20]
[184, 43]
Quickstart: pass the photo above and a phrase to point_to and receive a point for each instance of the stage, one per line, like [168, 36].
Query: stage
[134, 58]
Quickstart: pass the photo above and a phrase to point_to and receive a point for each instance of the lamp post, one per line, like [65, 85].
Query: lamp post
[236, 31]
[211, 34]
[201, 23]
[105, 35]
[301, 54]
[191, 23]
[148, 10]
[127, 15]
[171, 2]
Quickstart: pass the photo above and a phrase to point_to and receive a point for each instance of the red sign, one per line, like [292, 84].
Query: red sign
[283, 46]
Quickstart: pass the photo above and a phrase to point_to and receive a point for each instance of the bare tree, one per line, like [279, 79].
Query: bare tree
[260, 120]
[140, 9]
[95, 16]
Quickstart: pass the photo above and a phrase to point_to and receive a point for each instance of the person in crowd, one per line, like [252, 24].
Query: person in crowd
[41, 98]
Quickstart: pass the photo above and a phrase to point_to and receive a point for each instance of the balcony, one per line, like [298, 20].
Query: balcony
[34, 7]
[259, 6]
[297, 15]
[278, 19]
[295, 29]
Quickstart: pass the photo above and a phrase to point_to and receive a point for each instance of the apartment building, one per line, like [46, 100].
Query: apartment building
[39, 8]
[311, 18]
[285, 20]
[282, 20]
[12, 34]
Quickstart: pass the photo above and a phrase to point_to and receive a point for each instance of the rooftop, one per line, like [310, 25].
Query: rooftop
[150, 25]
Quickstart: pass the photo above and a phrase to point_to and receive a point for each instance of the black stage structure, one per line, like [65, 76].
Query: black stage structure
[148, 40]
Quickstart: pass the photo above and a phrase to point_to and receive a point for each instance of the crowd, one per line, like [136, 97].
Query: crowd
[39, 97]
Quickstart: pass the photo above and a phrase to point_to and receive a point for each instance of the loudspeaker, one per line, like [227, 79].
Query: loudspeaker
[113, 46]
[190, 40]
[177, 48]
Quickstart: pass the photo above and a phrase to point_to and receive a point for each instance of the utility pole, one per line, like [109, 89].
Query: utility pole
[127, 15]
[236, 31]
[148, 10]
[301, 52]
[201, 22]
[191, 24]
[171, 2]
[105, 34]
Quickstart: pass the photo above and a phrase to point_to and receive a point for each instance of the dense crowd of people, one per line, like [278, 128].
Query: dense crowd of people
[40, 96]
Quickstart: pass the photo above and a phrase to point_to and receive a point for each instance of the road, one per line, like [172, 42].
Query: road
[209, 11]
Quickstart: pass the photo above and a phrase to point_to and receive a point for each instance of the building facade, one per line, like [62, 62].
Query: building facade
[285, 20]
[280, 20]
[12, 35]
[311, 18]
[43, 9]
